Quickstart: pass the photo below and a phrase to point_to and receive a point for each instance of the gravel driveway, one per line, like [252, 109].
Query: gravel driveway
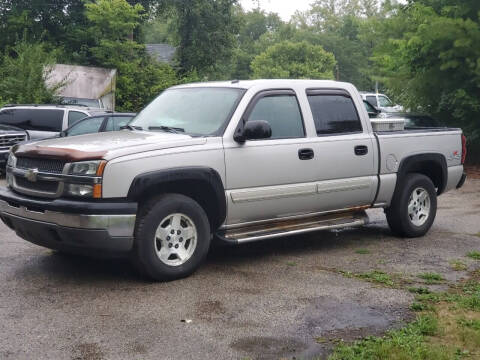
[285, 298]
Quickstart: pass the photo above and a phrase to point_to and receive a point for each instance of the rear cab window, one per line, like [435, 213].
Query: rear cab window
[334, 112]
[33, 119]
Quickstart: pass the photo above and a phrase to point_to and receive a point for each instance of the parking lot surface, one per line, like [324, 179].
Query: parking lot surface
[284, 298]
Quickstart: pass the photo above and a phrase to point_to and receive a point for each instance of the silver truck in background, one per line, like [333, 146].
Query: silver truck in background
[242, 161]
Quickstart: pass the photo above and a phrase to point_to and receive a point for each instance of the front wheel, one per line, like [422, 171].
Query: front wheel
[172, 237]
[413, 207]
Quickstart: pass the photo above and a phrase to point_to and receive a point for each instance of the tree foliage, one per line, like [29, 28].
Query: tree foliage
[431, 60]
[288, 60]
[423, 53]
[23, 73]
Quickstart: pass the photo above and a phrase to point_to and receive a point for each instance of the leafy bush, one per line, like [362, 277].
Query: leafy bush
[288, 60]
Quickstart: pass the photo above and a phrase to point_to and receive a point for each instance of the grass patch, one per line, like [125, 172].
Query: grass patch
[291, 263]
[377, 277]
[458, 265]
[473, 323]
[406, 343]
[431, 278]
[474, 255]
[362, 251]
[447, 327]
[419, 290]
[420, 306]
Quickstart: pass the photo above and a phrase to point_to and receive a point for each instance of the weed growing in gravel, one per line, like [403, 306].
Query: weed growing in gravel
[431, 278]
[474, 255]
[419, 290]
[377, 277]
[291, 263]
[458, 265]
[362, 251]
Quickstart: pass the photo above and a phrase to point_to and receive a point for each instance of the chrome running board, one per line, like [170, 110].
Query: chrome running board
[293, 227]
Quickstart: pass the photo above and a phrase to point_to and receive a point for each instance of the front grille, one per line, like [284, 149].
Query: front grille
[39, 185]
[43, 165]
[7, 141]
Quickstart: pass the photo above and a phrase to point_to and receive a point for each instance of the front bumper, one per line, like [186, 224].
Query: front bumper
[70, 225]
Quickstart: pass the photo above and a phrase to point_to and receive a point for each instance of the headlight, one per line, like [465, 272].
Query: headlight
[91, 186]
[80, 190]
[12, 160]
[87, 168]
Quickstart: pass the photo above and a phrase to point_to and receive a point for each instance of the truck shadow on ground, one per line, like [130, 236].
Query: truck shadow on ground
[60, 266]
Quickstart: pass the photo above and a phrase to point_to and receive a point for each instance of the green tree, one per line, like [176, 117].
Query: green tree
[294, 60]
[140, 78]
[431, 61]
[52, 22]
[253, 24]
[206, 31]
[23, 71]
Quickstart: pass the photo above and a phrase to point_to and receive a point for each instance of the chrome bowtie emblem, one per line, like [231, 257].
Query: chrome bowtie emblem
[31, 175]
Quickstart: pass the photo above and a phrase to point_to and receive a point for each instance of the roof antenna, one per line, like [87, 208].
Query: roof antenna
[235, 81]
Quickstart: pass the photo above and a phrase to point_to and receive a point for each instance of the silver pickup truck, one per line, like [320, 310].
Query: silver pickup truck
[237, 161]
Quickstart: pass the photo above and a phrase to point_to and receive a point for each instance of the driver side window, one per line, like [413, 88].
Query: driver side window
[283, 114]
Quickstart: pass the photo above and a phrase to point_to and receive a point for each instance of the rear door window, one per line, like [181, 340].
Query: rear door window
[87, 126]
[74, 116]
[33, 119]
[334, 113]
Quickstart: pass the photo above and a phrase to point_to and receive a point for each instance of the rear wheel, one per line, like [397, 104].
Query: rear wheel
[172, 237]
[413, 207]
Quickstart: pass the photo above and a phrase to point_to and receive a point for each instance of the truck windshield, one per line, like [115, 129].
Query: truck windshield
[195, 111]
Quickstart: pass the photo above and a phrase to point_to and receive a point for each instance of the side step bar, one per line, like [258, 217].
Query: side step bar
[293, 227]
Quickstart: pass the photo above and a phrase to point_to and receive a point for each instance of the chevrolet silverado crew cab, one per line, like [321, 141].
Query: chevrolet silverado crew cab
[239, 161]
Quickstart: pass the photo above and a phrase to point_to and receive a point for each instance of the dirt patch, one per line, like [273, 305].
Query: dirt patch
[208, 310]
[87, 351]
[473, 171]
[268, 347]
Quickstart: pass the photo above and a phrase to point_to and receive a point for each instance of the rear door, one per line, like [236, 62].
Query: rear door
[344, 152]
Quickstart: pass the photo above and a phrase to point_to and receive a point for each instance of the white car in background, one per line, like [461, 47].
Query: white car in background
[381, 102]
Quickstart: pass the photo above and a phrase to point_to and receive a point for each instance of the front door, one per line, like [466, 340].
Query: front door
[271, 178]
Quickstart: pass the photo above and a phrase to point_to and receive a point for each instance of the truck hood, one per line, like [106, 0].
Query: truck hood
[107, 145]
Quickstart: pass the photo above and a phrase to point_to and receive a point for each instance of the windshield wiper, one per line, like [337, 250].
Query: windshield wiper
[170, 129]
[131, 127]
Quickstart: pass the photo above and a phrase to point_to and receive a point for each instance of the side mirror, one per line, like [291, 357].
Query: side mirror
[254, 130]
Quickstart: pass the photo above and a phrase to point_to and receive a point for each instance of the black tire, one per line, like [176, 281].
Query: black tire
[397, 214]
[150, 215]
